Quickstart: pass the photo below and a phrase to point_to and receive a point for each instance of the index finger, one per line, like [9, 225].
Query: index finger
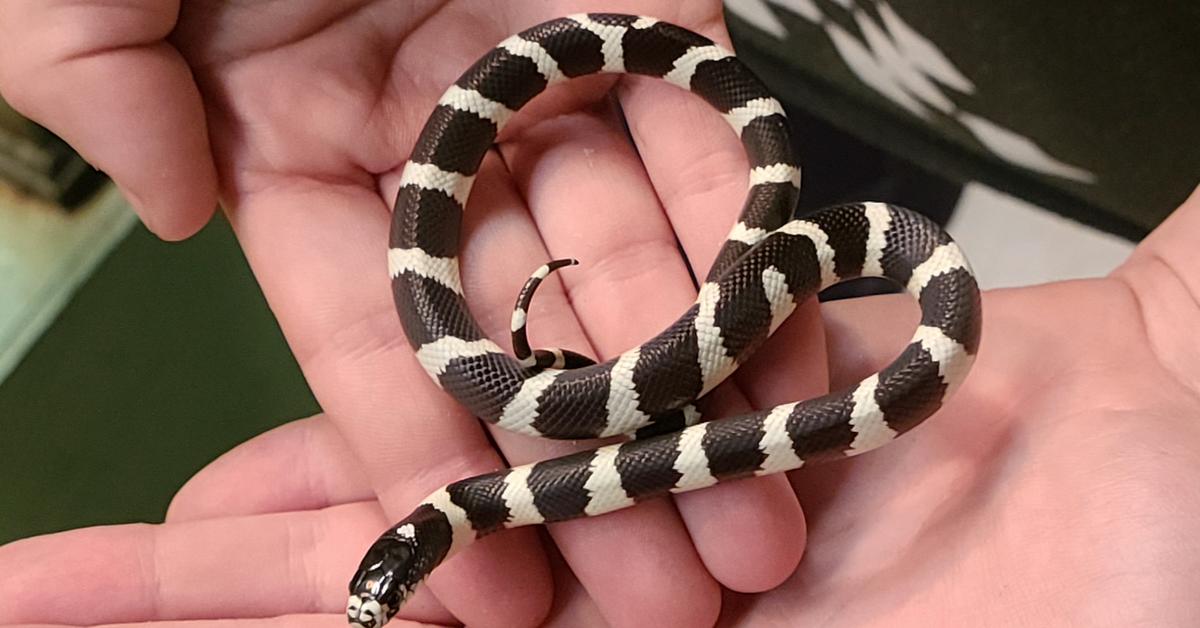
[102, 76]
[700, 171]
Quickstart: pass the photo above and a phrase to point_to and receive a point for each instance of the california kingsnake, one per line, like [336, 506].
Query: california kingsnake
[769, 263]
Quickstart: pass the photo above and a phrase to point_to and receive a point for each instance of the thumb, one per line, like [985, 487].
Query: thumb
[101, 75]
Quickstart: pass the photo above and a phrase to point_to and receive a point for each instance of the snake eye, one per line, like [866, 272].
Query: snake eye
[400, 554]
[382, 581]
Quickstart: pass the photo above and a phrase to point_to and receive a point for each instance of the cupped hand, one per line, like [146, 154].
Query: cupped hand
[298, 116]
[1056, 488]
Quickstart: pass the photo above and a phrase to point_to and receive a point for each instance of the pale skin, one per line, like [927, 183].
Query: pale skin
[1057, 486]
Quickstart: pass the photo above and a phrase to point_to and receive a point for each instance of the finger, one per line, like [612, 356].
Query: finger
[633, 284]
[100, 75]
[319, 250]
[573, 607]
[259, 566]
[769, 561]
[1164, 274]
[641, 261]
[290, 621]
[1171, 245]
[648, 543]
[699, 170]
[864, 335]
[302, 465]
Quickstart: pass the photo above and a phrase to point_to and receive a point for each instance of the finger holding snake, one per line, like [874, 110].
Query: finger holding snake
[650, 544]
[632, 282]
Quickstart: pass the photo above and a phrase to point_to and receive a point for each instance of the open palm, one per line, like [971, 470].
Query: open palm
[1056, 489]
[1039, 489]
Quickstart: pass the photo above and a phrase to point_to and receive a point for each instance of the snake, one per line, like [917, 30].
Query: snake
[770, 262]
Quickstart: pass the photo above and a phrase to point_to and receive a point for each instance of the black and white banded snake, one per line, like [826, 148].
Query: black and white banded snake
[769, 263]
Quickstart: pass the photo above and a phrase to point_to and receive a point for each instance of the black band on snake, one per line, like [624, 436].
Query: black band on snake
[769, 263]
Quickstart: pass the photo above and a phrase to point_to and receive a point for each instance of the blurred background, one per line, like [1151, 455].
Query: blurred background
[126, 363]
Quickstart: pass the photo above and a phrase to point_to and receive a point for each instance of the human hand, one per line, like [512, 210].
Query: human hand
[1054, 489]
[304, 114]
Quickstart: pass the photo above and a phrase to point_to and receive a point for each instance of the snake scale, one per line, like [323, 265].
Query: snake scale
[769, 263]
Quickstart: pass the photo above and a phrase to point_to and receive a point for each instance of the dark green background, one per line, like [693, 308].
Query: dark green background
[1112, 87]
[166, 358]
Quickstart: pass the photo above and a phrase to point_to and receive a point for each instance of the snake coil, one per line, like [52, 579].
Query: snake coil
[769, 263]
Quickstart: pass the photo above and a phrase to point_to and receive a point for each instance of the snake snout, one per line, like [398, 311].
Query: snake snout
[365, 612]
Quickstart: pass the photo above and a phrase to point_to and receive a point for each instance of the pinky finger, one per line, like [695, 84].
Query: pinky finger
[306, 465]
[258, 566]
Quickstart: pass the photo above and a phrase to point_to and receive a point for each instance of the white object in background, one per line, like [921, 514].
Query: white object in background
[891, 57]
[45, 254]
[1013, 243]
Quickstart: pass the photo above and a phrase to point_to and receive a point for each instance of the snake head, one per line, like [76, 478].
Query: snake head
[396, 563]
[386, 578]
